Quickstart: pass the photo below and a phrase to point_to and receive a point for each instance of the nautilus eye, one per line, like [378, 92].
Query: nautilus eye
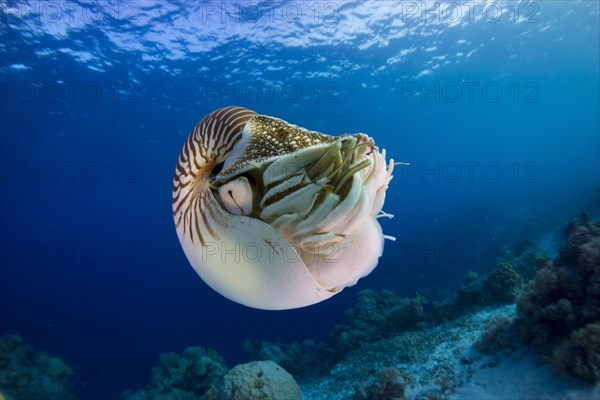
[236, 196]
[275, 216]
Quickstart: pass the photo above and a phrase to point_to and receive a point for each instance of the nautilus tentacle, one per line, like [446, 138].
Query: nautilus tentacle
[275, 216]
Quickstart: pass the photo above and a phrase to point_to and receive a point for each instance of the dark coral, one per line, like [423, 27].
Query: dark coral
[580, 355]
[377, 315]
[559, 310]
[515, 266]
[27, 374]
[182, 377]
[525, 258]
[302, 360]
[390, 386]
[500, 286]
[498, 335]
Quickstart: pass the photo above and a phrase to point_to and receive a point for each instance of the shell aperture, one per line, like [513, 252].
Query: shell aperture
[275, 216]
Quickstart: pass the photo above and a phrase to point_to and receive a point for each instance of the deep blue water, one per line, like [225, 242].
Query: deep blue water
[497, 113]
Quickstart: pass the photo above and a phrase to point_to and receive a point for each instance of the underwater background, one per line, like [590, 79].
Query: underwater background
[495, 106]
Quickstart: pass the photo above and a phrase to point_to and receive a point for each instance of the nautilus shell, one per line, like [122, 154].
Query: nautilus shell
[275, 216]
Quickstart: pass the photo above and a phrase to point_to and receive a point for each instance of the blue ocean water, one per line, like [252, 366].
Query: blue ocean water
[494, 107]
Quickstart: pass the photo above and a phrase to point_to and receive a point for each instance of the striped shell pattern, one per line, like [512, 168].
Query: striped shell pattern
[275, 216]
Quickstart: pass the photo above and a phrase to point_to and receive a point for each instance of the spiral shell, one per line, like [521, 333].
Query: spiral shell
[275, 216]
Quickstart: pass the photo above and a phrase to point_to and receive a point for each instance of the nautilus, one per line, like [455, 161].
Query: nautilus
[275, 216]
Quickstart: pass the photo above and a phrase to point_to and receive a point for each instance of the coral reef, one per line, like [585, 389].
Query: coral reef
[26, 374]
[380, 315]
[559, 310]
[498, 335]
[500, 286]
[182, 377]
[580, 355]
[525, 258]
[200, 373]
[376, 316]
[302, 360]
[433, 363]
[471, 292]
[390, 386]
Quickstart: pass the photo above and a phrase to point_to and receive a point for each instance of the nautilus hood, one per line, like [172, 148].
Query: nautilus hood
[275, 216]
